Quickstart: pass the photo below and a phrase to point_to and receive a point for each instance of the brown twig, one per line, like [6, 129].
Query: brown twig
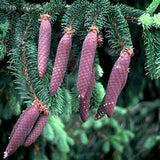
[131, 18]
[119, 36]
[70, 26]
[95, 19]
[24, 61]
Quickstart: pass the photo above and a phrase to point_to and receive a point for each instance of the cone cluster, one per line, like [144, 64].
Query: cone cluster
[86, 77]
[28, 127]
[32, 121]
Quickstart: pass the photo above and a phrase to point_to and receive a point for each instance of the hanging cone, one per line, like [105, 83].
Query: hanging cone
[44, 44]
[117, 81]
[23, 127]
[86, 61]
[61, 61]
[84, 102]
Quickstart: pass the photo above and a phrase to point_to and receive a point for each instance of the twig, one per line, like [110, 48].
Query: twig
[119, 36]
[24, 62]
[131, 18]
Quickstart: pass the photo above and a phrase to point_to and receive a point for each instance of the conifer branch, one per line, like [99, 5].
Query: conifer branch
[96, 14]
[152, 42]
[130, 13]
[24, 61]
[70, 26]
[131, 18]
[53, 7]
[117, 30]
[118, 35]
[95, 19]
[149, 22]
[74, 16]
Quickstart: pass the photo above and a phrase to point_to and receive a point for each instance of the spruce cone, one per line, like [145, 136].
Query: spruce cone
[117, 81]
[22, 128]
[61, 61]
[86, 61]
[84, 102]
[44, 44]
[37, 130]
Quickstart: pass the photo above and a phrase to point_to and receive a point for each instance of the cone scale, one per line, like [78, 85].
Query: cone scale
[44, 44]
[61, 61]
[117, 81]
[86, 61]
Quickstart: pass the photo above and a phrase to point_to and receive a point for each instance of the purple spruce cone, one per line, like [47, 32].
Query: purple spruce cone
[61, 61]
[44, 44]
[117, 81]
[86, 61]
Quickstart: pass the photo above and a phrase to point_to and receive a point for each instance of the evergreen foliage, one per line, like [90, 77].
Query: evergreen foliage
[117, 30]
[152, 42]
[74, 16]
[130, 12]
[96, 14]
[133, 131]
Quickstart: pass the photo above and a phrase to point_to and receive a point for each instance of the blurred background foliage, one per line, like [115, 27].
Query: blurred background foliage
[133, 133]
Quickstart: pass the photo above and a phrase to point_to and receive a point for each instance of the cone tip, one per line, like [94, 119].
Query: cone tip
[109, 115]
[5, 155]
[84, 118]
[96, 118]
[26, 144]
[40, 74]
[99, 115]
[52, 93]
